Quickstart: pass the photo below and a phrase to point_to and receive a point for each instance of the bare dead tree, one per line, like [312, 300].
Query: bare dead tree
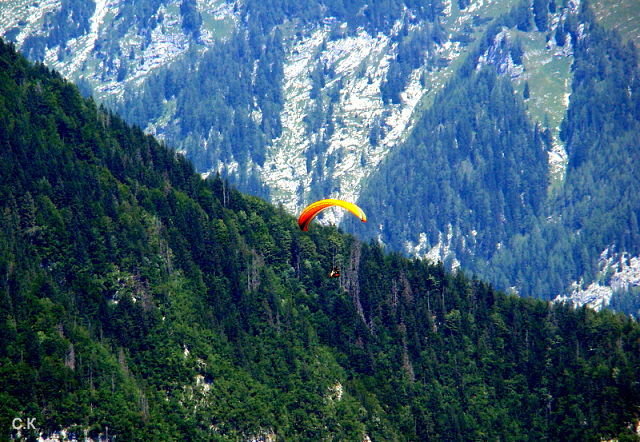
[70, 357]
[351, 281]
[253, 277]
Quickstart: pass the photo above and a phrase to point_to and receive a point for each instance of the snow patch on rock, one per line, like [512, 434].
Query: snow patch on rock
[285, 167]
[499, 55]
[82, 46]
[360, 63]
[219, 12]
[617, 272]
[439, 252]
[446, 5]
[167, 41]
[558, 160]
[26, 15]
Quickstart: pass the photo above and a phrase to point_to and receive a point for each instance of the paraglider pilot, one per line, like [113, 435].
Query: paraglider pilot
[313, 209]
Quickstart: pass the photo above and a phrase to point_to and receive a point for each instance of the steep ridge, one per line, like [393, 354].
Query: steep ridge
[549, 235]
[296, 103]
[378, 61]
[141, 302]
[595, 214]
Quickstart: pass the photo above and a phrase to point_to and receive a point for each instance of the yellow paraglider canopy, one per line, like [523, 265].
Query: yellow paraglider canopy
[313, 209]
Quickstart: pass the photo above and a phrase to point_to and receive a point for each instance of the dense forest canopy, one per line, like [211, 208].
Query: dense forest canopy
[217, 90]
[478, 167]
[498, 136]
[138, 300]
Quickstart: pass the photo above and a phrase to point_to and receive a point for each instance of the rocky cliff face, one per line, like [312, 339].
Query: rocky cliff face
[115, 46]
[336, 124]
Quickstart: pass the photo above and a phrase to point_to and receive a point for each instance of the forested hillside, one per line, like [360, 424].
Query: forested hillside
[494, 135]
[142, 302]
[228, 102]
[473, 182]
[599, 206]
[473, 164]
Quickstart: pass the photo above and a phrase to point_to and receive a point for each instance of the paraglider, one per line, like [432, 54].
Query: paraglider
[335, 272]
[314, 209]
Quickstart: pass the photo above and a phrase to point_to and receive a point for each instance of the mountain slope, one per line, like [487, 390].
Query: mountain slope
[448, 178]
[596, 212]
[295, 103]
[621, 16]
[142, 302]
[209, 78]
[474, 164]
